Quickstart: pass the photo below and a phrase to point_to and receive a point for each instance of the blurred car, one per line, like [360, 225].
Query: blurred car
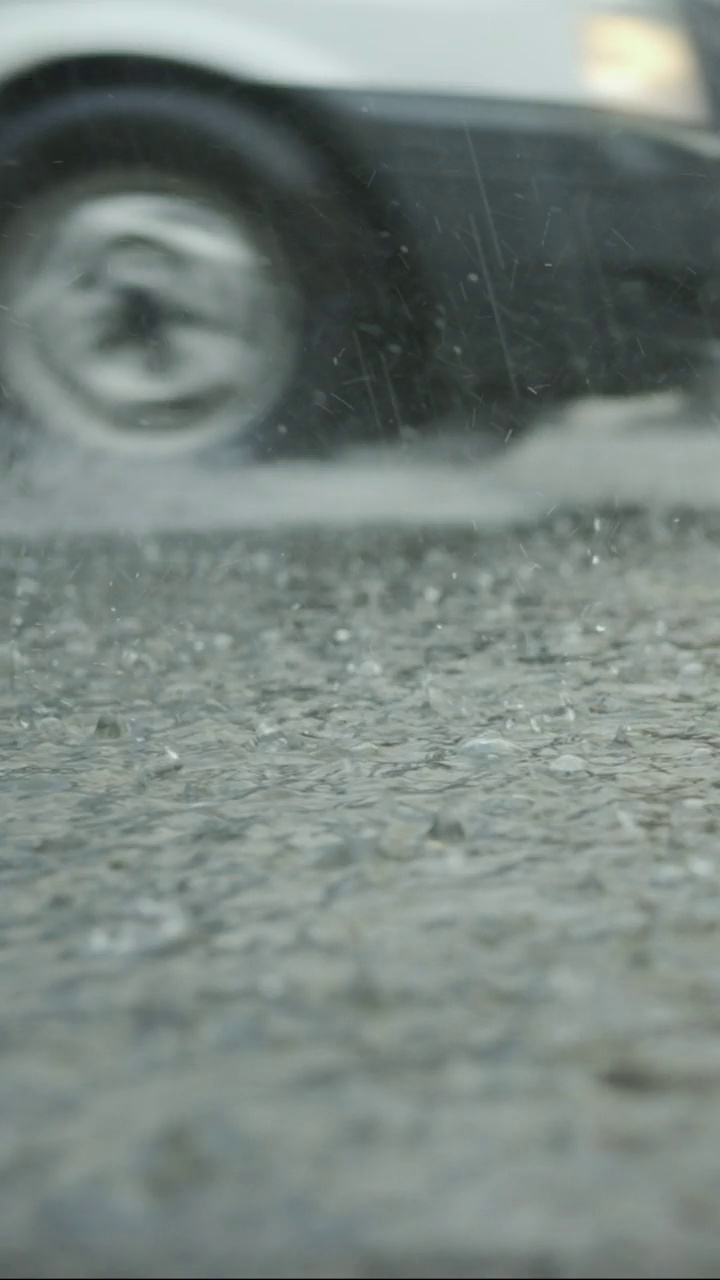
[259, 220]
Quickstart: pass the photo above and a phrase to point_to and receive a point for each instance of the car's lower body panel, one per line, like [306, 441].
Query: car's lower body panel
[560, 250]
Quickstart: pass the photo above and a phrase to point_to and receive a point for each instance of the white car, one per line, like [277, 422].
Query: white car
[258, 220]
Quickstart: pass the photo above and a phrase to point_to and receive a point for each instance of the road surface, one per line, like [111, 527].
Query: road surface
[360, 885]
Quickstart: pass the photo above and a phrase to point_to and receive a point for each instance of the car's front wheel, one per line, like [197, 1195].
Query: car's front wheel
[175, 271]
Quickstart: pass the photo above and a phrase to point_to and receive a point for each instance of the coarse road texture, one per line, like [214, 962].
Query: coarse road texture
[360, 889]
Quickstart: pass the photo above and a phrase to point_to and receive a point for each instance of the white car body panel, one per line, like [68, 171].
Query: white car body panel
[524, 50]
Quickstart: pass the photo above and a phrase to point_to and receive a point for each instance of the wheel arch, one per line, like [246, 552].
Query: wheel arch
[325, 131]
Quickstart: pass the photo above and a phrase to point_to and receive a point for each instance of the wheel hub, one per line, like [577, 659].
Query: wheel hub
[151, 313]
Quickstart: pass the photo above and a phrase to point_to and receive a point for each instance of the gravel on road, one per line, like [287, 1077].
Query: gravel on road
[360, 908]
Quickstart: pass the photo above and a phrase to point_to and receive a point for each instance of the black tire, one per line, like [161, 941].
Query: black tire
[258, 164]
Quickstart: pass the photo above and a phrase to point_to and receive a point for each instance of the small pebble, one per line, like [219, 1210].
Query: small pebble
[11, 659]
[447, 828]
[668, 873]
[401, 841]
[693, 669]
[703, 868]
[568, 766]
[487, 746]
[622, 736]
[148, 926]
[369, 667]
[108, 727]
[169, 763]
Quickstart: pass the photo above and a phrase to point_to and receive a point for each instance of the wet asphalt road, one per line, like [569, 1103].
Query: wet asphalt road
[360, 907]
